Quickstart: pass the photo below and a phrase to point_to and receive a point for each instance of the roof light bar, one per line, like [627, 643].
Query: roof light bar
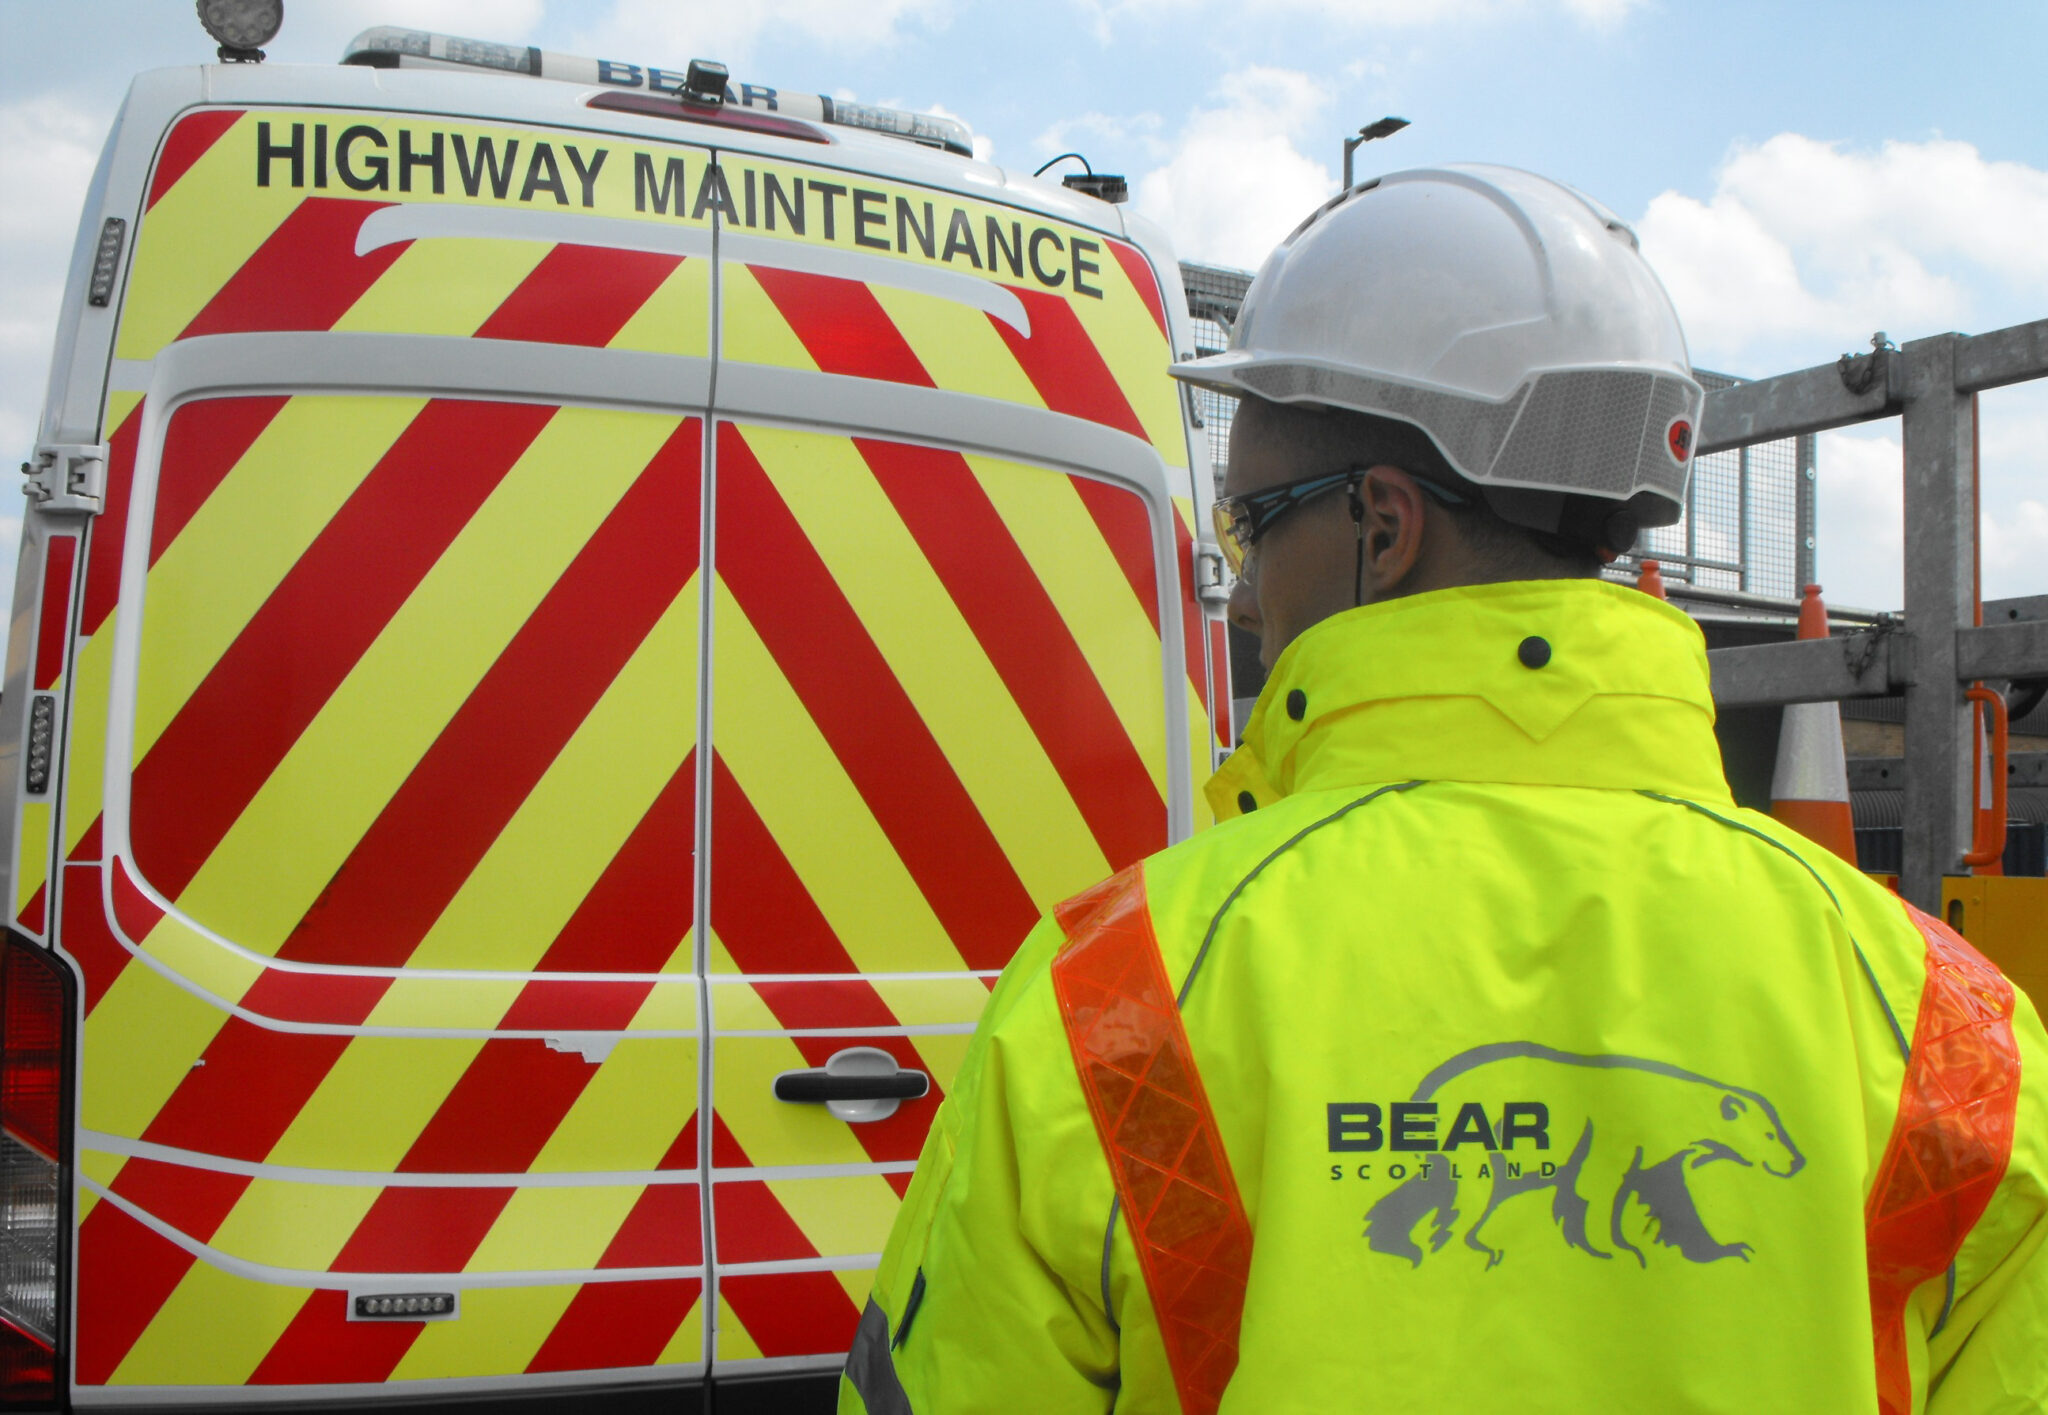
[389, 47]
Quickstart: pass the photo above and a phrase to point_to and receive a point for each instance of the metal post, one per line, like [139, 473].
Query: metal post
[1742, 557]
[1806, 507]
[1939, 765]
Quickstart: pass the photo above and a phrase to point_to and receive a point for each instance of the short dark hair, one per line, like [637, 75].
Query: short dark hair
[1517, 551]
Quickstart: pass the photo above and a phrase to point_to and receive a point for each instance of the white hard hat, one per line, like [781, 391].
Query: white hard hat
[1510, 318]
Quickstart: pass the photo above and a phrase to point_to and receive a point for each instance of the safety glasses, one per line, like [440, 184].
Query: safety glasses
[1241, 520]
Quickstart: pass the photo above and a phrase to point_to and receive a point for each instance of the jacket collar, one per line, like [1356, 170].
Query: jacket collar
[1538, 682]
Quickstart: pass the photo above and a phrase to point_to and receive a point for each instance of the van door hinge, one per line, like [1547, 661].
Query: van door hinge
[1213, 580]
[67, 476]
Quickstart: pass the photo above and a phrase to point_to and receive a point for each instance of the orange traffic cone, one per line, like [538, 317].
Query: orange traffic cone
[1810, 789]
[1651, 581]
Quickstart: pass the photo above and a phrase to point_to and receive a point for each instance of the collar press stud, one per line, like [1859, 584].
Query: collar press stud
[1297, 704]
[1533, 651]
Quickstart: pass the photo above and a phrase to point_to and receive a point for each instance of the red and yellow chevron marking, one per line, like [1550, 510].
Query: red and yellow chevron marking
[220, 253]
[416, 700]
[1087, 339]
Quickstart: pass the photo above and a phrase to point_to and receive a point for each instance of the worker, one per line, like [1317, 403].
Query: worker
[1489, 1056]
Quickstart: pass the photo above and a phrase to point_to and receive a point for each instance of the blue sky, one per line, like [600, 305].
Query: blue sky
[1801, 174]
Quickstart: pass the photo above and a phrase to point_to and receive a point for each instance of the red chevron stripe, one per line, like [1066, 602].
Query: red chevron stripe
[34, 914]
[126, 1272]
[579, 295]
[60, 556]
[824, 651]
[411, 1230]
[787, 1314]
[842, 326]
[610, 1325]
[430, 836]
[187, 143]
[1138, 271]
[247, 1093]
[502, 1111]
[202, 445]
[85, 935]
[1189, 610]
[109, 530]
[1025, 638]
[323, 1347]
[642, 906]
[1125, 528]
[767, 920]
[237, 726]
[664, 1229]
[1064, 365]
[305, 276]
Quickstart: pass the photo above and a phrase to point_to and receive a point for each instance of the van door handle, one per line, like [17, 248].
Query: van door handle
[858, 1085]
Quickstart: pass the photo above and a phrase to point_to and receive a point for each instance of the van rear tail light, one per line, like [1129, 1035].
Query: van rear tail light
[35, 1025]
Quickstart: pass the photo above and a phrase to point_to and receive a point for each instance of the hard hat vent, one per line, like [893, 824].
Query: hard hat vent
[1601, 432]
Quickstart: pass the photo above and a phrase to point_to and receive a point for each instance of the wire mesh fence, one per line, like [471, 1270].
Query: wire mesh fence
[1748, 522]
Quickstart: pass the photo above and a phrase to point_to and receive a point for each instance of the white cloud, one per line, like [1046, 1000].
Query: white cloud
[675, 31]
[1236, 180]
[1860, 501]
[1139, 129]
[1804, 248]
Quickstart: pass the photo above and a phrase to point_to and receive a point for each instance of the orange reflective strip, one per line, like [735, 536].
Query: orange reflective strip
[1949, 1144]
[1152, 1115]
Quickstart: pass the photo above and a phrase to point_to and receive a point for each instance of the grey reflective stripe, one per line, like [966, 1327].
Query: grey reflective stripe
[870, 1367]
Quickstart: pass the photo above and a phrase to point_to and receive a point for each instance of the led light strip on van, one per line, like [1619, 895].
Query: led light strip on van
[388, 47]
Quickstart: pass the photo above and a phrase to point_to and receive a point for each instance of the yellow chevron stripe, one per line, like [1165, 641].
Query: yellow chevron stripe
[1123, 332]
[753, 329]
[358, 750]
[293, 1225]
[546, 1227]
[32, 853]
[500, 1330]
[958, 346]
[448, 285]
[238, 547]
[1079, 572]
[840, 1215]
[935, 655]
[198, 959]
[576, 818]
[775, 1132]
[214, 1329]
[813, 810]
[631, 1112]
[140, 1042]
[194, 240]
[687, 1347]
[733, 1343]
[102, 1169]
[676, 319]
[368, 1111]
[857, 1283]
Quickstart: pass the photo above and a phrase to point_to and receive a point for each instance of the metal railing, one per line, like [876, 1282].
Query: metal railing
[1935, 649]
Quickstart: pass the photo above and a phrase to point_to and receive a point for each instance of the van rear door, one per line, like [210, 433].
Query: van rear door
[949, 685]
[383, 899]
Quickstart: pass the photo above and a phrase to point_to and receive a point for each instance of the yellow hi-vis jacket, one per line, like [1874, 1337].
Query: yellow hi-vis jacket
[1547, 1079]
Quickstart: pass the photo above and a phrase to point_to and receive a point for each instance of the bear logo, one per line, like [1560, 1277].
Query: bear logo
[1637, 1128]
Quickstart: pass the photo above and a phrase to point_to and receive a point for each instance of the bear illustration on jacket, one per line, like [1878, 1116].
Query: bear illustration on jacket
[1631, 1129]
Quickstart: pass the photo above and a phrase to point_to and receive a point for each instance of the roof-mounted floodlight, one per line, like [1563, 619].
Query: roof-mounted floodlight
[241, 27]
[704, 83]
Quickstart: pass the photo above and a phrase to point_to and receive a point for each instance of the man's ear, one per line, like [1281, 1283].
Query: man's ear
[1393, 513]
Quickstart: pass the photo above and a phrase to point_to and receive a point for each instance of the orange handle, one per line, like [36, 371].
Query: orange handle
[1983, 851]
